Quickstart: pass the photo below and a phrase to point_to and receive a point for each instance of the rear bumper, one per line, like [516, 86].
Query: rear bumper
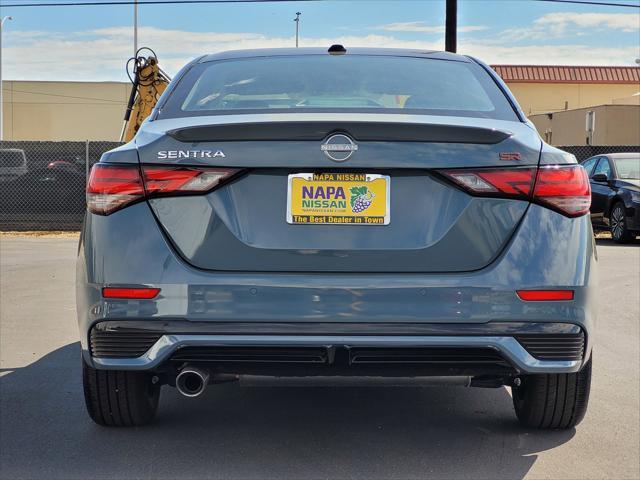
[387, 311]
[498, 347]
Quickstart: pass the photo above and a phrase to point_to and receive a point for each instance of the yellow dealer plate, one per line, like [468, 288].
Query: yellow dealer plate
[338, 199]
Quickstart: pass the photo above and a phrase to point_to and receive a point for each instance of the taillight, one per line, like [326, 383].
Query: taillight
[564, 188]
[492, 182]
[113, 186]
[169, 180]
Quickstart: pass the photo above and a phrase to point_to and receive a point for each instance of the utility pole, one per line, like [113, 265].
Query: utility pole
[135, 28]
[2, 20]
[451, 27]
[297, 20]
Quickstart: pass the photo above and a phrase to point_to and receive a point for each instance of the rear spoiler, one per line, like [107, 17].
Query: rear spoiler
[360, 131]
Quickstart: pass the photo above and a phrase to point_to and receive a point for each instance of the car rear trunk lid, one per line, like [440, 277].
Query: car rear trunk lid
[433, 226]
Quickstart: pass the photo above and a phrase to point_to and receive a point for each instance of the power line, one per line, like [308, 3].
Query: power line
[170, 2]
[63, 96]
[142, 2]
[585, 2]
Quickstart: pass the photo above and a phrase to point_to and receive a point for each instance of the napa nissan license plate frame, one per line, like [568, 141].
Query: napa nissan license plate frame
[340, 198]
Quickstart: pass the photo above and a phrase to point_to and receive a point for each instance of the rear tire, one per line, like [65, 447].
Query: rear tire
[116, 398]
[553, 401]
[618, 223]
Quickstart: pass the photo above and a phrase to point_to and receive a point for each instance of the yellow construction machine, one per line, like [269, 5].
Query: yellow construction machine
[148, 83]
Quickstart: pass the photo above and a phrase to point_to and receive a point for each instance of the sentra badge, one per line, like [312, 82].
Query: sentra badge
[174, 154]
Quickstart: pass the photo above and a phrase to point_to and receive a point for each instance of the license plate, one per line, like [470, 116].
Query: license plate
[338, 199]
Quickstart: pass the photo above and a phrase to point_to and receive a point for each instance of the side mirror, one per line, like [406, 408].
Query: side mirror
[600, 177]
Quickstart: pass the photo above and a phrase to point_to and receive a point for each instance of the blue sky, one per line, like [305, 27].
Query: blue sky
[92, 43]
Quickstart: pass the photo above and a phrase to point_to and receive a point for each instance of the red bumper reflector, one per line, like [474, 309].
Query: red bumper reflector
[130, 293]
[545, 295]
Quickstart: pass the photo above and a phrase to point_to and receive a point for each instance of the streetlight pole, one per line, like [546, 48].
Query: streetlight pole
[135, 28]
[297, 20]
[4, 19]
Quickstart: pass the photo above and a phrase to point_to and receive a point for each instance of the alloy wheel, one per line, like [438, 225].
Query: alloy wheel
[617, 222]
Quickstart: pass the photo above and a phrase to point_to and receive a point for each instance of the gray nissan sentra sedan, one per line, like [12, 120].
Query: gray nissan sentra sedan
[365, 212]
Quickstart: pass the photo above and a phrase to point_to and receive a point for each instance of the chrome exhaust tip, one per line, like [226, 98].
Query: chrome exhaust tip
[191, 382]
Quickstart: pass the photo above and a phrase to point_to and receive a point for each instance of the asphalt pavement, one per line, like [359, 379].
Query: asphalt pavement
[285, 429]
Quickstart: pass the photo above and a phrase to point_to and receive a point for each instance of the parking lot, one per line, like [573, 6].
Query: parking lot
[310, 428]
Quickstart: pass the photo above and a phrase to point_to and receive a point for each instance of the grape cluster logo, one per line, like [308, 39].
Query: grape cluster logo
[361, 198]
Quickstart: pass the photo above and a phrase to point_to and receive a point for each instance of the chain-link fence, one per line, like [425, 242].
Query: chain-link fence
[583, 152]
[42, 184]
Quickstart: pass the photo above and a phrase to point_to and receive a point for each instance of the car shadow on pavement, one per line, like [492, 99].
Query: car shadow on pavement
[269, 428]
[610, 243]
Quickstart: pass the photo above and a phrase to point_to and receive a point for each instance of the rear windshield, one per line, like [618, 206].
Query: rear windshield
[628, 168]
[326, 83]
